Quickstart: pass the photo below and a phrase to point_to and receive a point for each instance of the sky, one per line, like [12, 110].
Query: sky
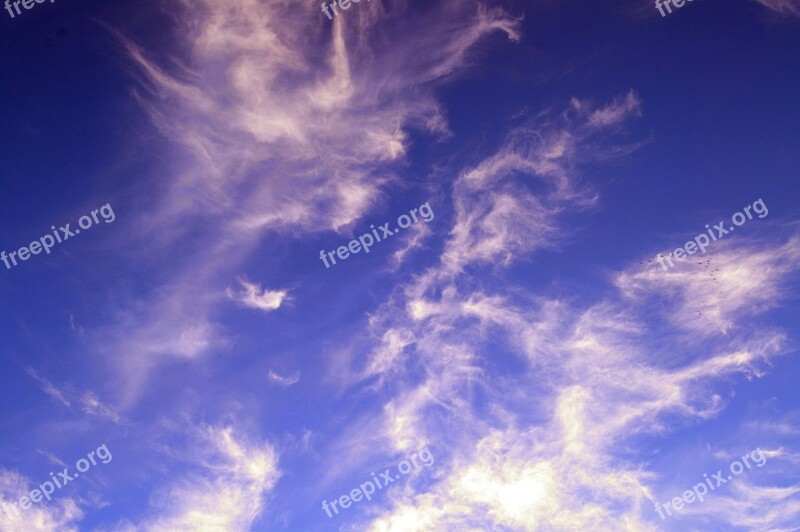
[224, 339]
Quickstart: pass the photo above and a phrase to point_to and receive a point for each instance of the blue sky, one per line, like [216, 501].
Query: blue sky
[525, 335]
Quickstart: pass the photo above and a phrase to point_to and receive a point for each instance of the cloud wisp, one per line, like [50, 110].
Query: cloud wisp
[541, 447]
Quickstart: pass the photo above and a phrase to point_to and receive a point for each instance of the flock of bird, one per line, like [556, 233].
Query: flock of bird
[712, 272]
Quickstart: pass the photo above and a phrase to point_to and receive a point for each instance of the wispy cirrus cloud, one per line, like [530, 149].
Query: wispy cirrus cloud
[283, 381]
[62, 513]
[48, 387]
[560, 386]
[707, 293]
[89, 402]
[784, 7]
[541, 449]
[253, 296]
[591, 383]
[223, 489]
[277, 124]
[512, 220]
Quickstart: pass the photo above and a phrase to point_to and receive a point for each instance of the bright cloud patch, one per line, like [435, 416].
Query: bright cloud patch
[251, 295]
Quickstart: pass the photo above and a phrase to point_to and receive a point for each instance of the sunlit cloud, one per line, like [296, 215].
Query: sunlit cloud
[269, 135]
[223, 491]
[562, 381]
[62, 513]
[48, 387]
[283, 381]
[253, 296]
[590, 378]
[784, 7]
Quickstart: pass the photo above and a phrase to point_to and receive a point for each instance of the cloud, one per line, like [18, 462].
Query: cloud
[500, 217]
[224, 491]
[172, 325]
[252, 102]
[282, 125]
[784, 7]
[91, 404]
[252, 296]
[751, 507]
[61, 513]
[419, 233]
[536, 403]
[709, 293]
[545, 447]
[48, 387]
[89, 401]
[53, 459]
[275, 124]
[282, 381]
[617, 112]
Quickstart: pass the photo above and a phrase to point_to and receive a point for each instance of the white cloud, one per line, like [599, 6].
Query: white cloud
[784, 7]
[419, 232]
[225, 492]
[48, 387]
[277, 124]
[534, 403]
[557, 427]
[617, 112]
[282, 381]
[91, 404]
[500, 217]
[251, 295]
[89, 401]
[283, 127]
[61, 513]
[707, 294]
